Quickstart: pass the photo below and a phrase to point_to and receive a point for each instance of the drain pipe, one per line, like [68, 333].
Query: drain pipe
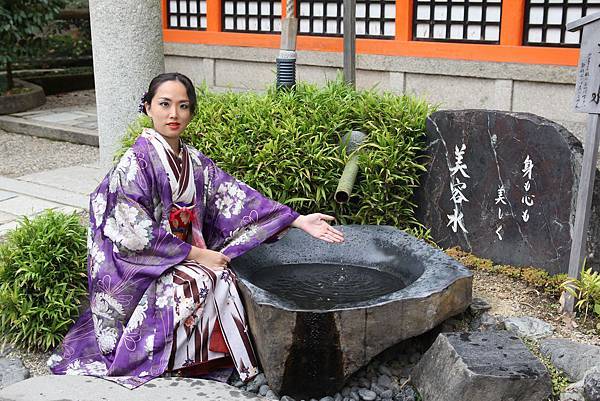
[352, 140]
[286, 60]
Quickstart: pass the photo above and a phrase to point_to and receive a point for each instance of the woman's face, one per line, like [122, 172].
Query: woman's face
[170, 109]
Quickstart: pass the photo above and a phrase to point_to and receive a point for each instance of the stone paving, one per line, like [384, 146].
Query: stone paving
[86, 388]
[73, 124]
[64, 189]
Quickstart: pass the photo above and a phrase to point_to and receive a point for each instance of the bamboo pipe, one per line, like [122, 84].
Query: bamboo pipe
[352, 140]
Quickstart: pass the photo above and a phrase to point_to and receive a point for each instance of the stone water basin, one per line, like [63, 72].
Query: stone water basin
[318, 312]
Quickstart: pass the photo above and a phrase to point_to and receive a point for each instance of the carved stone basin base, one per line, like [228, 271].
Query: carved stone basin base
[318, 312]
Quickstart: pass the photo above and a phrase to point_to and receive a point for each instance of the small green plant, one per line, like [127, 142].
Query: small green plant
[42, 279]
[550, 284]
[559, 380]
[586, 290]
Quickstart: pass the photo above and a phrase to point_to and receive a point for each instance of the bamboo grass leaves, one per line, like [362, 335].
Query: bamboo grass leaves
[286, 145]
[42, 279]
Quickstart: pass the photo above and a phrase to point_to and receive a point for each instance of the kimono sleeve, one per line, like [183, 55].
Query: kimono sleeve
[132, 221]
[238, 217]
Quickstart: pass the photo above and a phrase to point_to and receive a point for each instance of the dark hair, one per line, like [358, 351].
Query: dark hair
[169, 76]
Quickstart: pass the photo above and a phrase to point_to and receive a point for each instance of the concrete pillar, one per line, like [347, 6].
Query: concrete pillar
[127, 46]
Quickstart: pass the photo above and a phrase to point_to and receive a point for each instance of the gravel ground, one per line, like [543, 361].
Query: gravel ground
[78, 98]
[510, 297]
[23, 154]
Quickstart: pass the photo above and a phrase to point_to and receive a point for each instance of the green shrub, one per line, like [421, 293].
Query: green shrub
[42, 279]
[286, 145]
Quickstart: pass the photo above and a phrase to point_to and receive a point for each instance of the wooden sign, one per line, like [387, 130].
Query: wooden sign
[587, 100]
[587, 90]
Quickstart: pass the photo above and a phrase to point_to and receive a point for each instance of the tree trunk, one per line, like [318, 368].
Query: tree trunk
[10, 83]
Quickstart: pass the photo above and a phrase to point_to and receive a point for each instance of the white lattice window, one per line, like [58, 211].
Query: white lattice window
[252, 16]
[186, 14]
[374, 18]
[457, 20]
[546, 20]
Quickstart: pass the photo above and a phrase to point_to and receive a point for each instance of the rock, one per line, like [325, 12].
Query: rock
[310, 351]
[238, 383]
[486, 322]
[364, 382]
[407, 394]
[287, 398]
[479, 305]
[255, 383]
[387, 394]
[377, 388]
[490, 366]
[88, 388]
[328, 398]
[574, 392]
[346, 391]
[12, 371]
[263, 389]
[452, 324]
[354, 395]
[496, 147]
[591, 384]
[385, 381]
[573, 358]
[270, 395]
[367, 395]
[385, 370]
[529, 327]
[338, 397]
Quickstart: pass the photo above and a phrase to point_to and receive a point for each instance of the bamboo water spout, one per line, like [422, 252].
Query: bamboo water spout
[353, 140]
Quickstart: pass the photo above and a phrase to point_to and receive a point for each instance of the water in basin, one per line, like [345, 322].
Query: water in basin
[325, 286]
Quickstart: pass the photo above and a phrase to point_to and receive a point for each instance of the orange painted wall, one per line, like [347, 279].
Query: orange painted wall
[509, 50]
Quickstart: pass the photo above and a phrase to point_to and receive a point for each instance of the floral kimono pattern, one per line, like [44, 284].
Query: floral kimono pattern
[135, 268]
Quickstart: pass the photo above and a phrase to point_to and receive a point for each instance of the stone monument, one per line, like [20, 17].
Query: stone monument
[504, 186]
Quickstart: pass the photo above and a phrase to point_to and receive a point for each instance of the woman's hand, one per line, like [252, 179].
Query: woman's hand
[212, 259]
[316, 225]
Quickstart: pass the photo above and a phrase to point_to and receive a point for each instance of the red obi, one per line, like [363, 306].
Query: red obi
[180, 219]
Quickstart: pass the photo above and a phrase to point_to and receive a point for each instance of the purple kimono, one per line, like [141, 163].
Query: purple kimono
[139, 281]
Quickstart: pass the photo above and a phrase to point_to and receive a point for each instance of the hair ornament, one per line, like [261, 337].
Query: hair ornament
[141, 106]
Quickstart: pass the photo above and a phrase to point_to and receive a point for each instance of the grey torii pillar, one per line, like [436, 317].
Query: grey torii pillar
[587, 100]
[127, 46]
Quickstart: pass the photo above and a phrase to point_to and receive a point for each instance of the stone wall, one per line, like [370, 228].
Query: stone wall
[454, 84]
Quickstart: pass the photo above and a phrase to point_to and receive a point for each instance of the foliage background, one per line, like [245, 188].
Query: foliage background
[21, 30]
[286, 144]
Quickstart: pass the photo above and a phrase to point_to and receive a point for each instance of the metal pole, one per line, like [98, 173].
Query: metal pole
[584, 205]
[286, 60]
[350, 42]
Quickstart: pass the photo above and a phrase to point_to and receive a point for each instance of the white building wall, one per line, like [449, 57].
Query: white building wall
[544, 90]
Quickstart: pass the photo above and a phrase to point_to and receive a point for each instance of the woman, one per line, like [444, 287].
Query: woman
[164, 224]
